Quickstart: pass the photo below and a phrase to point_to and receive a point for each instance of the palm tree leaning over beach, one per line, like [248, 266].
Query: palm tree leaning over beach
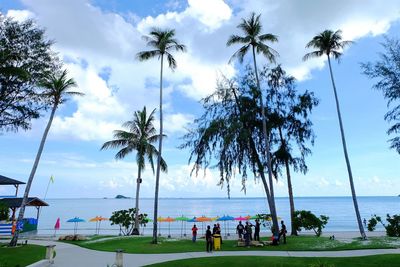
[162, 43]
[253, 39]
[56, 90]
[140, 138]
[330, 43]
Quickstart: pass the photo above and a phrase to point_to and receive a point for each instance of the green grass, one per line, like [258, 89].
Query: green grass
[297, 243]
[21, 255]
[368, 261]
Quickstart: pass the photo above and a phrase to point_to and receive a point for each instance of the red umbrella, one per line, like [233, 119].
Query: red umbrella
[240, 218]
[57, 226]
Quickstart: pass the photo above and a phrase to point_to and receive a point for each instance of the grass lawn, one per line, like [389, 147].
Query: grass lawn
[21, 255]
[368, 261]
[296, 243]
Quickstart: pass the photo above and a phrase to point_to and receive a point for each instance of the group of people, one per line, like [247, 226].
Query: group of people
[216, 232]
[245, 232]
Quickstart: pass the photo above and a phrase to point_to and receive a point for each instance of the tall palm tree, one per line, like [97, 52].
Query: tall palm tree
[162, 43]
[253, 39]
[140, 138]
[330, 43]
[56, 90]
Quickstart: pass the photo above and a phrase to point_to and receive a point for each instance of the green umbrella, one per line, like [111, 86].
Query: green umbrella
[182, 219]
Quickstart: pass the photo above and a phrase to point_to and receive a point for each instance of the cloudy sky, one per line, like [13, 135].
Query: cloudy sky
[98, 40]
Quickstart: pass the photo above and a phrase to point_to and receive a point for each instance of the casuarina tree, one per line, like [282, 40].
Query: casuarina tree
[288, 115]
[255, 41]
[57, 89]
[139, 138]
[330, 43]
[387, 73]
[25, 59]
[162, 44]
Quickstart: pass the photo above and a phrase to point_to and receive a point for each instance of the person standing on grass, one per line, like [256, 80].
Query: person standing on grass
[239, 229]
[194, 233]
[208, 239]
[283, 232]
[257, 231]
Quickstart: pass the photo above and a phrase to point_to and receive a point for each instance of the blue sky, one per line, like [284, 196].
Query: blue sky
[98, 41]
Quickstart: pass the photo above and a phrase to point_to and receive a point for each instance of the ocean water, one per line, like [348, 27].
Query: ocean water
[339, 209]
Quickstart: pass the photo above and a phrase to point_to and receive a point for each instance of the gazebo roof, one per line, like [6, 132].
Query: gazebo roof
[15, 202]
[8, 181]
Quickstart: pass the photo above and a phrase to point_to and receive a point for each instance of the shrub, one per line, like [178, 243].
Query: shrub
[307, 220]
[392, 229]
[126, 220]
[4, 212]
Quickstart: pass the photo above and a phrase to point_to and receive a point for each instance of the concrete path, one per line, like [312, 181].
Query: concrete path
[70, 255]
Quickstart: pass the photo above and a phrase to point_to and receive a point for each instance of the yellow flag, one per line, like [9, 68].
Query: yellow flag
[52, 179]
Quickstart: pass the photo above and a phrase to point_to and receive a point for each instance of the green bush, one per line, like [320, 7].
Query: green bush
[4, 212]
[307, 220]
[126, 220]
[392, 229]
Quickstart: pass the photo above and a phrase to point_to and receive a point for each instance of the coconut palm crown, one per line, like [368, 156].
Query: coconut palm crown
[327, 43]
[253, 39]
[163, 43]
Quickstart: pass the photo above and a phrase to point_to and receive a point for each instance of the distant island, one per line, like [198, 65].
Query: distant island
[121, 197]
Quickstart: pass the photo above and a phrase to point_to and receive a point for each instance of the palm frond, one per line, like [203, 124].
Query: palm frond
[313, 54]
[171, 61]
[145, 55]
[240, 53]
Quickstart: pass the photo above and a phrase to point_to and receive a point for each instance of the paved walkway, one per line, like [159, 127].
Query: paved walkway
[70, 255]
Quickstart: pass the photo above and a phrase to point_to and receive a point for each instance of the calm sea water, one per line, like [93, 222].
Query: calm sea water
[339, 209]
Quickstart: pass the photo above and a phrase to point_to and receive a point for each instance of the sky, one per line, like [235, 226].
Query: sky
[98, 41]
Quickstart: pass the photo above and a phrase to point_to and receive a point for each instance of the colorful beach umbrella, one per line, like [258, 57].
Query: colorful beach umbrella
[240, 218]
[98, 220]
[226, 219]
[76, 220]
[160, 220]
[183, 220]
[203, 219]
[169, 220]
[57, 226]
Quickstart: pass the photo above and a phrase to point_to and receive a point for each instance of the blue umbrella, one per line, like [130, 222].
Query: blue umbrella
[192, 220]
[226, 218]
[76, 220]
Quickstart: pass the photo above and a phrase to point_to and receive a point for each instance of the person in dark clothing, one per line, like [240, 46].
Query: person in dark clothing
[208, 239]
[257, 231]
[248, 230]
[239, 229]
[215, 229]
[283, 232]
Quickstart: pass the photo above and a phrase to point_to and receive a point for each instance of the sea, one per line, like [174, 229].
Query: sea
[339, 209]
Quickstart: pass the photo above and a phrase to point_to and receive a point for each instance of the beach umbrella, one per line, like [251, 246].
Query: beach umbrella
[76, 220]
[226, 219]
[160, 220]
[169, 220]
[203, 219]
[57, 226]
[183, 219]
[240, 218]
[98, 220]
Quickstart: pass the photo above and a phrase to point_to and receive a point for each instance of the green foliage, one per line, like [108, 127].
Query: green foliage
[387, 73]
[307, 220]
[25, 59]
[125, 219]
[4, 212]
[392, 228]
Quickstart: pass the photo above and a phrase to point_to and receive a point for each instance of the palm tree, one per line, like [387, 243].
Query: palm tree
[56, 90]
[139, 138]
[255, 40]
[330, 43]
[162, 43]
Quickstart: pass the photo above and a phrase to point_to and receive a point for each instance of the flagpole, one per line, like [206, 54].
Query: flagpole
[51, 180]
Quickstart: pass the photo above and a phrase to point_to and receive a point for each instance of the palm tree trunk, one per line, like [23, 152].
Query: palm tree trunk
[290, 188]
[136, 230]
[158, 158]
[14, 240]
[353, 191]
[275, 225]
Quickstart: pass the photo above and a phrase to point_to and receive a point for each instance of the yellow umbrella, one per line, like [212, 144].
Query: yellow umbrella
[160, 220]
[98, 220]
[169, 220]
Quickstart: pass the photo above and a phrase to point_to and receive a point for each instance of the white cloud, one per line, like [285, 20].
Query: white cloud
[20, 15]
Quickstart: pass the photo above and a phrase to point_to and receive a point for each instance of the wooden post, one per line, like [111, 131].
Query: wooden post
[119, 260]
[50, 253]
